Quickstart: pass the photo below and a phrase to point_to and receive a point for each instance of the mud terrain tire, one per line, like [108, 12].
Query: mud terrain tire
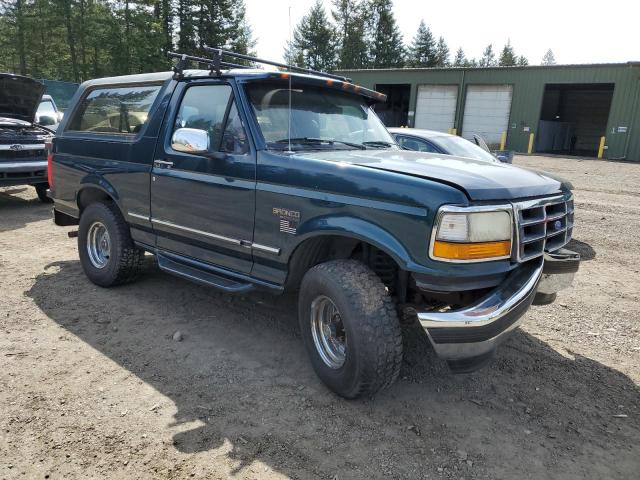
[368, 318]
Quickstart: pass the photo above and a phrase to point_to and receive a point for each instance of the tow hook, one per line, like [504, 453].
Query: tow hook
[73, 234]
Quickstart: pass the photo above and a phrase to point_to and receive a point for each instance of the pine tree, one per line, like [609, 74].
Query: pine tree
[314, 41]
[80, 39]
[522, 61]
[442, 53]
[488, 57]
[507, 57]
[186, 26]
[241, 35]
[460, 60]
[387, 49]
[351, 31]
[422, 52]
[549, 58]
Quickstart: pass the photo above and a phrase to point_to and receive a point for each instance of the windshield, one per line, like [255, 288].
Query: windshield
[46, 108]
[463, 148]
[320, 118]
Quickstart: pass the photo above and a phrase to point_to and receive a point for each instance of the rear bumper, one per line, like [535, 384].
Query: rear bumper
[467, 338]
[21, 173]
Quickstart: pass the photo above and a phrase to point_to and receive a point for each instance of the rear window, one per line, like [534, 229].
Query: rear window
[122, 110]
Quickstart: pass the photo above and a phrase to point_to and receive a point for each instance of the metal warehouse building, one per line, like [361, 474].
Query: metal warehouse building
[560, 109]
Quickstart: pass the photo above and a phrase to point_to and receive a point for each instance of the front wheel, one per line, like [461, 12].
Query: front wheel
[107, 253]
[41, 191]
[350, 328]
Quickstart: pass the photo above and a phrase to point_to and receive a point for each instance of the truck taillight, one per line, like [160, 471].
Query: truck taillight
[49, 150]
[50, 169]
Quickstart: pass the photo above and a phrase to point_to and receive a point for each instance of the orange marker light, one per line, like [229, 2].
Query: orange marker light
[471, 251]
[284, 75]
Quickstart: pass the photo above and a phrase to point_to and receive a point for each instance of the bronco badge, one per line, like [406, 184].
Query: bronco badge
[289, 219]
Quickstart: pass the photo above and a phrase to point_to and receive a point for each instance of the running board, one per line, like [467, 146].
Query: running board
[200, 274]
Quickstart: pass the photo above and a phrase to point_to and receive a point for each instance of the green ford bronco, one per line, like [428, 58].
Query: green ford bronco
[243, 179]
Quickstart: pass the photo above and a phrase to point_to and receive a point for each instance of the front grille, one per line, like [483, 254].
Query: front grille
[544, 225]
[7, 155]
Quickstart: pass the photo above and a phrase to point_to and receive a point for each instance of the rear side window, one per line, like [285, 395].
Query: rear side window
[122, 110]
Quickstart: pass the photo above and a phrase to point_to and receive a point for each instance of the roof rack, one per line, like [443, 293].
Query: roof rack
[217, 61]
[213, 63]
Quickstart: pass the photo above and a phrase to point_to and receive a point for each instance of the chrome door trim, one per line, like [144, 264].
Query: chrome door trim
[215, 236]
[139, 216]
[265, 248]
[222, 238]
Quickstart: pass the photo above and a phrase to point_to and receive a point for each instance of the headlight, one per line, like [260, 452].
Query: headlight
[472, 234]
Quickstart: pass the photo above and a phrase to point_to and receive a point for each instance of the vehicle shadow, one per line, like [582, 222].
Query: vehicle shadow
[586, 251]
[19, 207]
[242, 375]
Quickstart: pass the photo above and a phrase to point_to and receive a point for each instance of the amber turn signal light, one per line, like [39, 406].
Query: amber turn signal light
[471, 251]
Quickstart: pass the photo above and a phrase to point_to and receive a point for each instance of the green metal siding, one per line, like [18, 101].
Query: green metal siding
[528, 91]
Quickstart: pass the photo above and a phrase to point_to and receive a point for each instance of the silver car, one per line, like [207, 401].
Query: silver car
[48, 114]
[444, 143]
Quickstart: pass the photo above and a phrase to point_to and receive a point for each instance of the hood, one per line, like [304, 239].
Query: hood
[19, 97]
[479, 180]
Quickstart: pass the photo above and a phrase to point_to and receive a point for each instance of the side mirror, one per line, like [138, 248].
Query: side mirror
[46, 120]
[60, 116]
[479, 141]
[190, 140]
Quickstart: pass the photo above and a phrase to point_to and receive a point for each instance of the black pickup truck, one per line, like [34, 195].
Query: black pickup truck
[23, 159]
[246, 179]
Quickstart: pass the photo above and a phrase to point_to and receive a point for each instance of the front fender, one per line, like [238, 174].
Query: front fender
[356, 228]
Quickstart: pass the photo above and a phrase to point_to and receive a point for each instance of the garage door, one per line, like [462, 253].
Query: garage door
[436, 107]
[486, 112]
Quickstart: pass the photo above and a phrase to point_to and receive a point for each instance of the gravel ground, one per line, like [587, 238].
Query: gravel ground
[94, 385]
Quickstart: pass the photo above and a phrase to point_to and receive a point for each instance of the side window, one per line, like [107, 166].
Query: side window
[412, 143]
[234, 139]
[122, 110]
[211, 108]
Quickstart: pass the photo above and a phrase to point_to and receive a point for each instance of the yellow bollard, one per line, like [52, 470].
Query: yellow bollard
[601, 148]
[530, 149]
[503, 140]
[454, 131]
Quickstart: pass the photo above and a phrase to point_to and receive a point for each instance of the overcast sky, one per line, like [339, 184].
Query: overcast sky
[577, 31]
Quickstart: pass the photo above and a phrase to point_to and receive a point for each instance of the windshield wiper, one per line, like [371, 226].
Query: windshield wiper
[377, 143]
[319, 141]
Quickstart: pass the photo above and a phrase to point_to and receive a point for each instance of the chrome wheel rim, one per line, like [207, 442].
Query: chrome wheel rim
[327, 329]
[98, 245]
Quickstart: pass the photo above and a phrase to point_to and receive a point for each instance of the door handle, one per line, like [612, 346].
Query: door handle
[162, 164]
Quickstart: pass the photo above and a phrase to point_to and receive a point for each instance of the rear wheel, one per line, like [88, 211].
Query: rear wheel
[350, 328]
[107, 253]
[41, 191]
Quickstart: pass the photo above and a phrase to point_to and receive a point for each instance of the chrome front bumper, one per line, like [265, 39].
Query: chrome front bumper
[23, 166]
[467, 338]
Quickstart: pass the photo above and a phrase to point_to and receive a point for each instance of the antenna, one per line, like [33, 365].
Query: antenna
[289, 116]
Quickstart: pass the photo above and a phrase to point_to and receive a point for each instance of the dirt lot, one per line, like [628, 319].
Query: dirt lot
[92, 385]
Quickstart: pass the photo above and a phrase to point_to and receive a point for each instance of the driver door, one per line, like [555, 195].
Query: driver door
[203, 204]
